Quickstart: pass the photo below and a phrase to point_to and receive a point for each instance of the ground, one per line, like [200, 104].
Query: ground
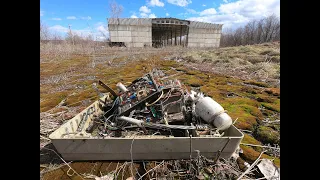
[245, 80]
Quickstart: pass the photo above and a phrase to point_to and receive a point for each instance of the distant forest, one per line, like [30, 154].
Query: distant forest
[254, 32]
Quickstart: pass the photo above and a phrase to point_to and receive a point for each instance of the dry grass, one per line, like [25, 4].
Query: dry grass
[258, 62]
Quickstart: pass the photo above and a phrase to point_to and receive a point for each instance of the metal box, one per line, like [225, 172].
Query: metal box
[83, 146]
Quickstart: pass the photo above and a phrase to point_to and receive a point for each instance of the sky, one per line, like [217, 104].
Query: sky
[90, 16]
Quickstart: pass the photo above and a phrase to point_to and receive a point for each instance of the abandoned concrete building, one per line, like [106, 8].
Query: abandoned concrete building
[159, 32]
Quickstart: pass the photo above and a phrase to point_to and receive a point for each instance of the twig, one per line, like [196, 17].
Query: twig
[150, 170]
[235, 121]
[131, 156]
[245, 130]
[45, 138]
[259, 146]
[65, 162]
[54, 168]
[220, 151]
[252, 165]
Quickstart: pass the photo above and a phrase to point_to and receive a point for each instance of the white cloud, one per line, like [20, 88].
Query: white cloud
[152, 15]
[133, 16]
[167, 14]
[145, 9]
[155, 3]
[71, 17]
[143, 15]
[86, 18]
[225, 1]
[238, 13]
[41, 13]
[204, 5]
[251, 8]
[102, 31]
[192, 11]
[56, 19]
[59, 28]
[181, 3]
[209, 11]
[98, 32]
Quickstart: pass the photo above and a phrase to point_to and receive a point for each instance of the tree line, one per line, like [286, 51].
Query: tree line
[254, 32]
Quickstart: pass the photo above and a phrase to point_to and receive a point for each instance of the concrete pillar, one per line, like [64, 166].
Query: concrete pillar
[180, 34]
[175, 37]
[171, 37]
[187, 36]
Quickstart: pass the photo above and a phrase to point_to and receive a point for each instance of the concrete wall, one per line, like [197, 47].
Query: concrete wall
[137, 32]
[204, 37]
[133, 32]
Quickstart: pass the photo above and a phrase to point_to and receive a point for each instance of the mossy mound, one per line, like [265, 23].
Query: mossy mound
[275, 106]
[247, 139]
[273, 91]
[267, 135]
[250, 155]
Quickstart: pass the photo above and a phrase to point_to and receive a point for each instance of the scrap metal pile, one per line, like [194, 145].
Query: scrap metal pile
[158, 105]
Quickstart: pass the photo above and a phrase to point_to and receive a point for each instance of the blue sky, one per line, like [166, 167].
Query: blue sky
[89, 16]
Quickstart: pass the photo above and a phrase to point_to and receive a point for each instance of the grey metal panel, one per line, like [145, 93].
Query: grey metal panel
[146, 148]
[139, 156]
[196, 24]
[130, 21]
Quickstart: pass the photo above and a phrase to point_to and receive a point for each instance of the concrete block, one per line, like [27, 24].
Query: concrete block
[125, 39]
[192, 44]
[210, 36]
[192, 40]
[123, 28]
[114, 38]
[134, 28]
[134, 33]
[143, 34]
[209, 41]
[113, 33]
[111, 27]
[209, 45]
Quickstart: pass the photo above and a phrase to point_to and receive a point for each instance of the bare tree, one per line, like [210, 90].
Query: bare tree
[256, 31]
[44, 31]
[115, 9]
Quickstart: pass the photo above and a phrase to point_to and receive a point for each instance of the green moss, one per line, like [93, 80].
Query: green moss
[247, 139]
[265, 98]
[52, 100]
[241, 101]
[252, 110]
[273, 107]
[250, 155]
[250, 140]
[267, 135]
[273, 91]
[240, 163]
[260, 84]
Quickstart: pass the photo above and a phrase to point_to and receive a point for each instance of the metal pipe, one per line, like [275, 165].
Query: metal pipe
[131, 120]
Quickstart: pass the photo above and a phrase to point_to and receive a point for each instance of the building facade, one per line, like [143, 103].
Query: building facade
[160, 32]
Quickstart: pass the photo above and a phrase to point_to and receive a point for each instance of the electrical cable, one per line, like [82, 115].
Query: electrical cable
[147, 104]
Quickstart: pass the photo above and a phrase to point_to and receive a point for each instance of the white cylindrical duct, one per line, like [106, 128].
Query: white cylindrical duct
[222, 121]
[121, 87]
[131, 120]
[213, 113]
